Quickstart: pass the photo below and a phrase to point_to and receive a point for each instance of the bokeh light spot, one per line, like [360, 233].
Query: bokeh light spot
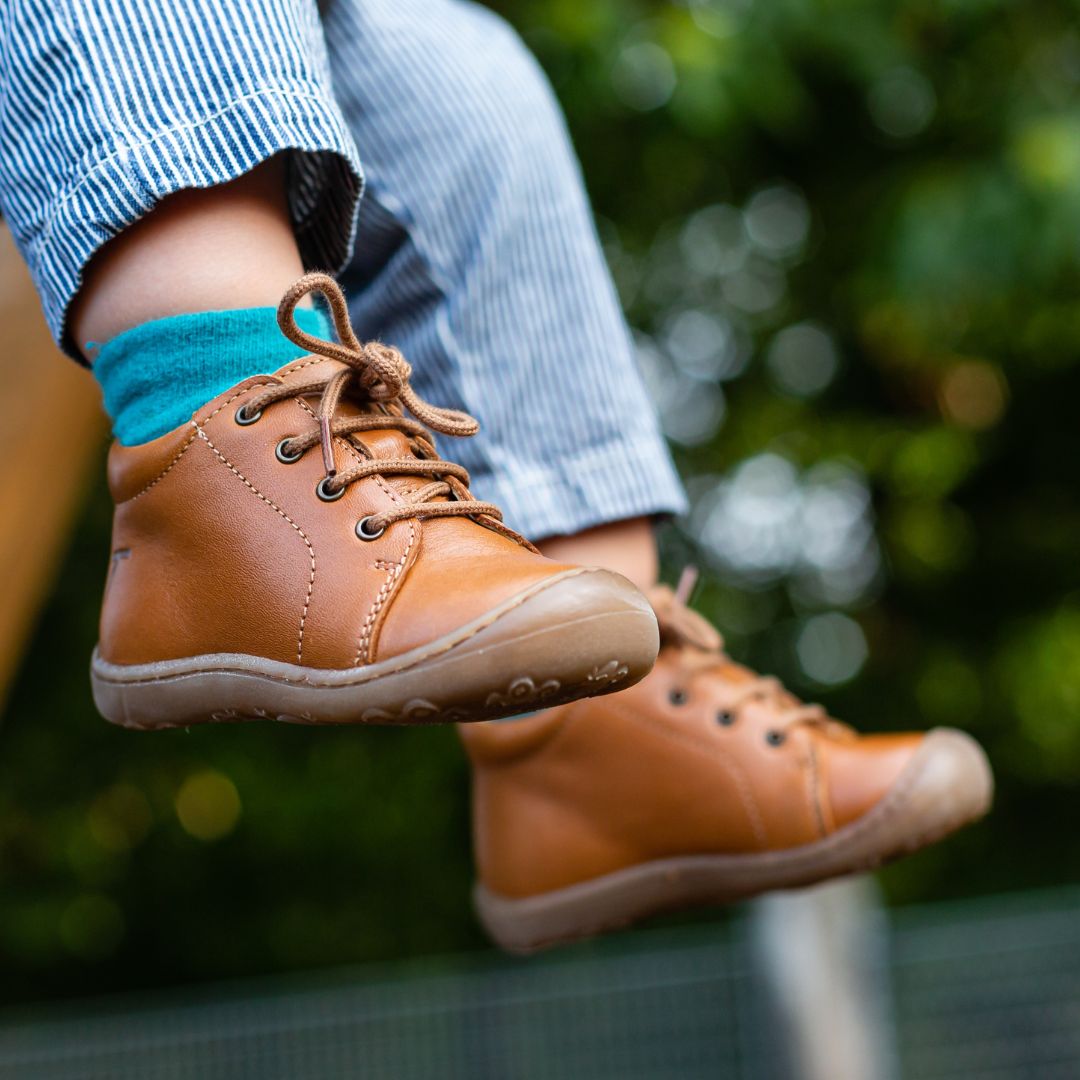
[719, 18]
[691, 409]
[802, 359]
[902, 102]
[831, 648]
[765, 522]
[778, 221]
[932, 463]
[208, 805]
[704, 345]
[1047, 150]
[972, 394]
[757, 287]
[644, 76]
[934, 536]
[714, 242]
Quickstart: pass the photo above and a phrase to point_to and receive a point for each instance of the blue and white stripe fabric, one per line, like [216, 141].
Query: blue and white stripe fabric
[473, 248]
[108, 105]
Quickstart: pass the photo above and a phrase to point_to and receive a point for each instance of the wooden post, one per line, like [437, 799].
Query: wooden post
[53, 431]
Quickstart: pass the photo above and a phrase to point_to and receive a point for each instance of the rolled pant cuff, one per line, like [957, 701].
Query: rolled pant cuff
[613, 482]
[325, 184]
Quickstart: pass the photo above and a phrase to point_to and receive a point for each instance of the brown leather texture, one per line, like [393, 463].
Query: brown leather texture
[219, 547]
[683, 763]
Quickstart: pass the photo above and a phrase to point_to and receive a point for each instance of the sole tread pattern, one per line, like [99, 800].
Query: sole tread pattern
[523, 694]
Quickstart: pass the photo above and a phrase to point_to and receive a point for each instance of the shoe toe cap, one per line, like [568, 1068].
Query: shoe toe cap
[943, 778]
[947, 783]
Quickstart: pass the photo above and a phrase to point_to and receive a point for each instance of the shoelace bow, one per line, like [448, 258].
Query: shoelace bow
[683, 627]
[377, 374]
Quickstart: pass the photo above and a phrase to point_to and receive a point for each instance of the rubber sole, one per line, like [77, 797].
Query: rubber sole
[578, 634]
[946, 785]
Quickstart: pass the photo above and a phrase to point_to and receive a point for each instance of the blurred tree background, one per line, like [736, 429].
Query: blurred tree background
[848, 237]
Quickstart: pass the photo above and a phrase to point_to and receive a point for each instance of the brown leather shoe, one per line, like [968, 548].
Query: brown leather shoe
[299, 551]
[703, 784]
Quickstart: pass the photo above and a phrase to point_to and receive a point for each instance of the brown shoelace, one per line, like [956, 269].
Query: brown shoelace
[684, 628]
[377, 375]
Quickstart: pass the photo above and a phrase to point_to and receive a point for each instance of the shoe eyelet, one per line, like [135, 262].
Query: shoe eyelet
[725, 718]
[326, 493]
[678, 697]
[775, 738]
[242, 417]
[283, 456]
[363, 532]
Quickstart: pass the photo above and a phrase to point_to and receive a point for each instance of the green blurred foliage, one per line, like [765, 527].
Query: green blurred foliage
[848, 234]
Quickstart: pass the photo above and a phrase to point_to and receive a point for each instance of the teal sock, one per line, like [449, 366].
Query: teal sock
[154, 377]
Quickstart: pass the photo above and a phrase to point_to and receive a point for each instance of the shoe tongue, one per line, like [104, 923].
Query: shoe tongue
[735, 673]
[387, 444]
[680, 625]
[697, 639]
[714, 660]
[701, 648]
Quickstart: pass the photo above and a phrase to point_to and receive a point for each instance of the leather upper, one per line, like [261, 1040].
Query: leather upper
[683, 763]
[218, 546]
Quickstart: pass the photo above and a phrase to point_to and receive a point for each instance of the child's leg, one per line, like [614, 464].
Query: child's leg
[479, 257]
[704, 782]
[628, 547]
[195, 251]
[286, 543]
[117, 106]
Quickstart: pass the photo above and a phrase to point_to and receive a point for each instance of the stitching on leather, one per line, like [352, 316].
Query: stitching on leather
[395, 570]
[889, 805]
[251, 386]
[229, 400]
[299, 365]
[240, 393]
[369, 623]
[311, 680]
[887, 808]
[300, 532]
[391, 578]
[799, 856]
[191, 439]
[813, 791]
[164, 472]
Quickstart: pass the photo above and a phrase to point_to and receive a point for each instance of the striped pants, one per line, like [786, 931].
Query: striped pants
[472, 246]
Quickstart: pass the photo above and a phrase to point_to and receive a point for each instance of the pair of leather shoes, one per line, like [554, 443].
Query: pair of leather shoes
[299, 551]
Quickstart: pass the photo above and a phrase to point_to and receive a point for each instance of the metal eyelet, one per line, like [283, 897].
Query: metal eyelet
[364, 533]
[243, 419]
[775, 738]
[678, 697]
[325, 493]
[725, 718]
[284, 457]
